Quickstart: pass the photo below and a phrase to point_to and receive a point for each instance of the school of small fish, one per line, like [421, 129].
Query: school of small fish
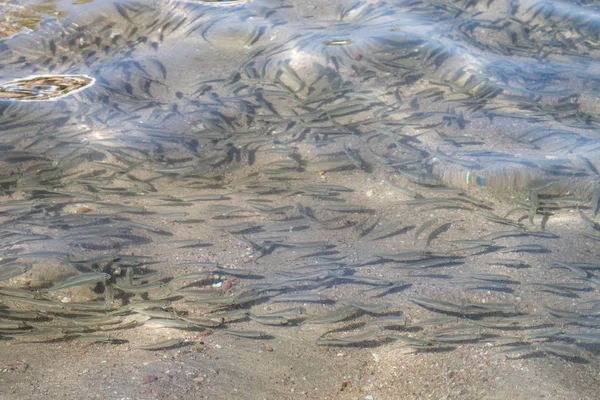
[416, 172]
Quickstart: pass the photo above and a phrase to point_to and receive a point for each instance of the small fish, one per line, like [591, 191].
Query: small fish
[338, 42]
[135, 289]
[89, 278]
[12, 325]
[588, 222]
[437, 321]
[11, 271]
[247, 334]
[367, 336]
[270, 319]
[165, 344]
[99, 320]
[431, 262]
[195, 277]
[424, 226]
[453, 338]
[392, 320]
[437, 305]
[348, 208]
[595, 202]
[168, 323]
[490, 277]
[338, 315]
[438, 231]
[527, 248]
[204, 322]
[302, 298]
[408, 341]
[389, 231]
[500, 220]
[287, 312]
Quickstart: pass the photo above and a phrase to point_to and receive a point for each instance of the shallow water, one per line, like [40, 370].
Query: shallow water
[339, 173]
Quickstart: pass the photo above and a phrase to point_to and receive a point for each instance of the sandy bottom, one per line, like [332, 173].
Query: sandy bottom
[287, 363]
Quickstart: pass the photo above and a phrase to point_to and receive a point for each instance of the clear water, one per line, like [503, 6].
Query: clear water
[421, 158]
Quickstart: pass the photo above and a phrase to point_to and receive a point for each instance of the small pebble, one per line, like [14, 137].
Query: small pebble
[149, 379]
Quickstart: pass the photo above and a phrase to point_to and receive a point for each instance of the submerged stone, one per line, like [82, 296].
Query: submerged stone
[44, 87]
